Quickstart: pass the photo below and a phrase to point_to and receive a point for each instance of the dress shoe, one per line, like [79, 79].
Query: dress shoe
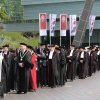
[25, 92]
[18, 92]
[32, 90]
[2, 96]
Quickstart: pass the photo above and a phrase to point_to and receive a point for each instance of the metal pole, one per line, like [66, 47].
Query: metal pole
[70, 40]
[50, 40]
[60, 40]
[89, 39]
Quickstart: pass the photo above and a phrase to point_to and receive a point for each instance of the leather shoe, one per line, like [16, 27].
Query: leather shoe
[1, 97]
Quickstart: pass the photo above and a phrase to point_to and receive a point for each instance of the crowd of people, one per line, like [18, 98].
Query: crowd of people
[26, 68]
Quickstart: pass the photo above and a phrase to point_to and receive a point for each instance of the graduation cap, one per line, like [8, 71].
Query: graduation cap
[57, 48]
[6, 45]
[30, 47]
[23, 44]
[52, 45]
[41, 44]
[81, 47]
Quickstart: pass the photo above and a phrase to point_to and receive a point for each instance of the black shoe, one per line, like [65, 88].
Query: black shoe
[32, 90]
[1, 97]
[52, 87]
[18, 92]
[25, 92]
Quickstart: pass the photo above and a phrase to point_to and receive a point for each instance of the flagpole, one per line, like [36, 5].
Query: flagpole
[60, 40]
[50, 40]
[70, 39]
[89, 39]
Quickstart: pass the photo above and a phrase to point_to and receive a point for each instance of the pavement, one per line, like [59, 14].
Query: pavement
[79, 89]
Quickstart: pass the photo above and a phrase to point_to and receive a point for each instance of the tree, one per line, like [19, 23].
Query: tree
[3, 13]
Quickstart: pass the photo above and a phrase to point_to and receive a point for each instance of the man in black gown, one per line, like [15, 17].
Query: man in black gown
[3, 67]
[53, 63]
[23, 71]
[9, 58]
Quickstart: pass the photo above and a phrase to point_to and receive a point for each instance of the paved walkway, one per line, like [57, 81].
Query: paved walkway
[86, 89]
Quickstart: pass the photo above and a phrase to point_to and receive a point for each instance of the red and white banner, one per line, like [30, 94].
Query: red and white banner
[91, 24]
[52, 19]
[63, 24]
[72, 19]
[42, 24]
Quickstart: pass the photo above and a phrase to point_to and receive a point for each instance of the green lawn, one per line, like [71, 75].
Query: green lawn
[14, 38]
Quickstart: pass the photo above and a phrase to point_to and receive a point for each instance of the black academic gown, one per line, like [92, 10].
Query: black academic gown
[83, 67]
[23, 73]
[9, 58]
[62, 69]
[92, 62]
[99, 62]
[3, 78]
[71, 68]
[53, 70]
[41, 63]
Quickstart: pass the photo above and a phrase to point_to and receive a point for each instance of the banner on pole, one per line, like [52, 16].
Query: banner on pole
[63, 24]
[42, 24]
[72, 19]
[52, 20]
[91, 24]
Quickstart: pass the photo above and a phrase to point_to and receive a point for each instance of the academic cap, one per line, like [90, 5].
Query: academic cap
[52, 45]
[23, 44]
[57, 48]
[30, 47]
[81, 47]
[41, 44]
[6, 45]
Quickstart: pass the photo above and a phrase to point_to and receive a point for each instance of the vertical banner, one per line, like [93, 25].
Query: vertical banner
[72, 19]
[91, 24]
[52, 19]
[63, 24]
[42, 24]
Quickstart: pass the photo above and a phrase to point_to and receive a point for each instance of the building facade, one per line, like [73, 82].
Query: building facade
[32, 8]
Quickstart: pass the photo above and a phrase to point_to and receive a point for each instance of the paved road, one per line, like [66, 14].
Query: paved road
[86, 89]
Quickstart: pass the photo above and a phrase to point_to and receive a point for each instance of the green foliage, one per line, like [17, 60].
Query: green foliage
[3, 14]
[14, 38]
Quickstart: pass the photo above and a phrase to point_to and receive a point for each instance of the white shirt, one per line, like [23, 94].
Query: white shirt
[82, 55]
[5, 53]
[71, 52]
[89, 53]
[1, 58]
[51, 54]
[98, 53]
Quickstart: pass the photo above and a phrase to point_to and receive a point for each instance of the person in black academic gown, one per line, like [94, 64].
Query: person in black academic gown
[71, 59]
[9, 58]
[41, 62]
[98, 53]
[53, 63]
[3, 71]
[23, 61]
[94, 59]
[83, 61]
[61, 67]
